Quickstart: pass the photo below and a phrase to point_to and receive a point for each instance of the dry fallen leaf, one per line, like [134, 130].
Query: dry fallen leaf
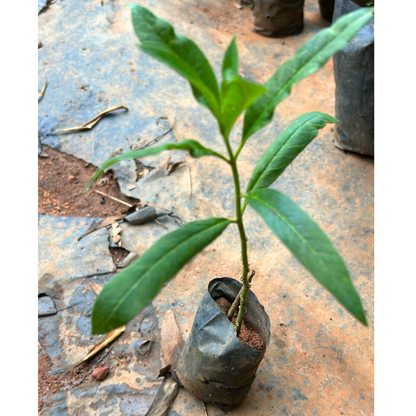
[174, 166]
[91, 123]
[40, 95]
[97, 225]
[165, 163]
[96, 288]
[115, 231]
[111, 336]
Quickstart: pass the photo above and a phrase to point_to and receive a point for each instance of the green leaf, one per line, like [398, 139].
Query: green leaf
[236, 96]
[309, 58]
[286, 147]
[309, 244]
[158, 39]
[230, 61]
[135, 287]
[236, 93]
[195, 149]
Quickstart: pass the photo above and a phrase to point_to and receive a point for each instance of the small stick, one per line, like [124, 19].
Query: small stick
[155, 140]
[190, 180]
[103, 356]
[236, 302]
[126, 203]
[94, 274]
[161, 225]
[112, 197]
[41, 348]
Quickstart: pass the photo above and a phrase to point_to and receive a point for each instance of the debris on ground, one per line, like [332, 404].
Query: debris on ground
[42, 91]
[110, 337]
[100, 373]
[91, 123]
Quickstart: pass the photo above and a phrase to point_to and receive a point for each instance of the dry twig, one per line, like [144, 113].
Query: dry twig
[190, 180]
[91, 123]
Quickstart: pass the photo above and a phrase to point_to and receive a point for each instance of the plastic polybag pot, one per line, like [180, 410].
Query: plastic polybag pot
[354, 88]
[278, 18]
[215, 366]
[326, 8]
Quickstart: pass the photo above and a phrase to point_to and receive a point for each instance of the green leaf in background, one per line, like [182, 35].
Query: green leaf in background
[158, 39]
[286, 147]
[135, 287]
[309, 58]
[309, 244]
[195, 149]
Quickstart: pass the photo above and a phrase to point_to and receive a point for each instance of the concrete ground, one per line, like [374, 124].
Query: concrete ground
[320, 360]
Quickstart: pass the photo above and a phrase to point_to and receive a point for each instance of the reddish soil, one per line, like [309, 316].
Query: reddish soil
[49, 384]
[61, 179]
[118, 254]
[247, 335]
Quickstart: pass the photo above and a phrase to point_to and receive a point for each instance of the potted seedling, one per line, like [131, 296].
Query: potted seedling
[217, 365]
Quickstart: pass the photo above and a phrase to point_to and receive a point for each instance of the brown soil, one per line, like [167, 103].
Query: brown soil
[47, 383]
[247, 335]
[52, 383]
[61, 179]
[118, 254]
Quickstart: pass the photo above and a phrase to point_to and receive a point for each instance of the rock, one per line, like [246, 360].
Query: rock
[101, 373]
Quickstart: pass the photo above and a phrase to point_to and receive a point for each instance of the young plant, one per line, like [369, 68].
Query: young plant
[132, 289]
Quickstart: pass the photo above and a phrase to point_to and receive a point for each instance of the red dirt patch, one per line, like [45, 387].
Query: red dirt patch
[61, 178]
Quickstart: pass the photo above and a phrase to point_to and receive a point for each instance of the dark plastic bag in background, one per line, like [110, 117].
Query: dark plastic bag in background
[354, 92]
[326, 8]
[215, 366]
[278, 18]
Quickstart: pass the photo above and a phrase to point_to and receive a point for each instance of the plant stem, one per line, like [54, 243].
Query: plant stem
[236, 302]
[244, 257]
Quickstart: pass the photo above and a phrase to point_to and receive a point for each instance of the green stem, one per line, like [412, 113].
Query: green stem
[243, 238]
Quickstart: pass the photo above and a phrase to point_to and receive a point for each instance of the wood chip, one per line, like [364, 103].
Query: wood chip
[165, 396]
[171, 339]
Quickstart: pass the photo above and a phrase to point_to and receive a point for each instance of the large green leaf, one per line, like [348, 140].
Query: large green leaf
[309, 244]
[195, 150]
[286, 147]
[130, 291]
[158, 39]
[236, 93]
[310, 57]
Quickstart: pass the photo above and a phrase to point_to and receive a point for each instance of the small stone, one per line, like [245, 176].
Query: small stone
[101, 373]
